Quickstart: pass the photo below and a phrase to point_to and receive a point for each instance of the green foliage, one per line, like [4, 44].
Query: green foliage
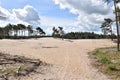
[86, 35]
[97, 51]
[58, 32]
[40, 31]
[106, 26]
[104, 60]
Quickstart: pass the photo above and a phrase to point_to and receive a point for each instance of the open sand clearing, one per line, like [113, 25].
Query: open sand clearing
[69, 56]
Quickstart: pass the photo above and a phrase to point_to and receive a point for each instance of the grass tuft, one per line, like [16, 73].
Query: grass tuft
[104, 60]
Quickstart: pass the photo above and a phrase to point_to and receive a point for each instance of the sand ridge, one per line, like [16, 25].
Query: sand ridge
[69, 55]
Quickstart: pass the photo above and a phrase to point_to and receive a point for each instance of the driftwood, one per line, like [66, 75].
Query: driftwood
[3, 63]
[28, 70]
[24, 66]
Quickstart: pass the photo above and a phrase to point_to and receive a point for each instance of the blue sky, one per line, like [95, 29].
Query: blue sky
[72, 15]
[44, 7]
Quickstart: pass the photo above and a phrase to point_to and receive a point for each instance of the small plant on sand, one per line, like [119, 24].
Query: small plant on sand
[97, 51]
[104, 60]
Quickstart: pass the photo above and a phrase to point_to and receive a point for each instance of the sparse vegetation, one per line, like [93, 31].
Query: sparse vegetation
[107, 60]
[18, 66]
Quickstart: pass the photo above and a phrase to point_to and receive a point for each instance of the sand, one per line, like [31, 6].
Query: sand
[69, 56]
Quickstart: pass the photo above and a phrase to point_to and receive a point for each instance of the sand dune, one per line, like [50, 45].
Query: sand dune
[69, 55]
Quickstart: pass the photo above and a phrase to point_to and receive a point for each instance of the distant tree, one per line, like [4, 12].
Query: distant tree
[7, 29]
[1, 33]
[40, 30]
[86, 35]
[15, 28]
[107, 26]
[109, 23]
[30, 30]
[55, 32]
[22, 28]
[19, 28]
[43, 33]
[10, 27]
[61, 32]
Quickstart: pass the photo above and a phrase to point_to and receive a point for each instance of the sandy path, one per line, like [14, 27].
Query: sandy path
[70, 55]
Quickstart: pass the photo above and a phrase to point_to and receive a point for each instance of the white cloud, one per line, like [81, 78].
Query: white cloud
[52, 21]
[27, 14]
[4, 14]
[87, 6]
[91, 13]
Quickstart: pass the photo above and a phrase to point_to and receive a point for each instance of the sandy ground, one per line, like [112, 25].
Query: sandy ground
[70, 56]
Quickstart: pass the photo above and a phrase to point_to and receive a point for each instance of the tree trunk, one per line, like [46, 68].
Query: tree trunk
[117, 25]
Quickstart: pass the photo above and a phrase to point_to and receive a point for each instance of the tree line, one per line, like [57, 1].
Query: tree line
[87, 35]
[20, 31]
[59, 33]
